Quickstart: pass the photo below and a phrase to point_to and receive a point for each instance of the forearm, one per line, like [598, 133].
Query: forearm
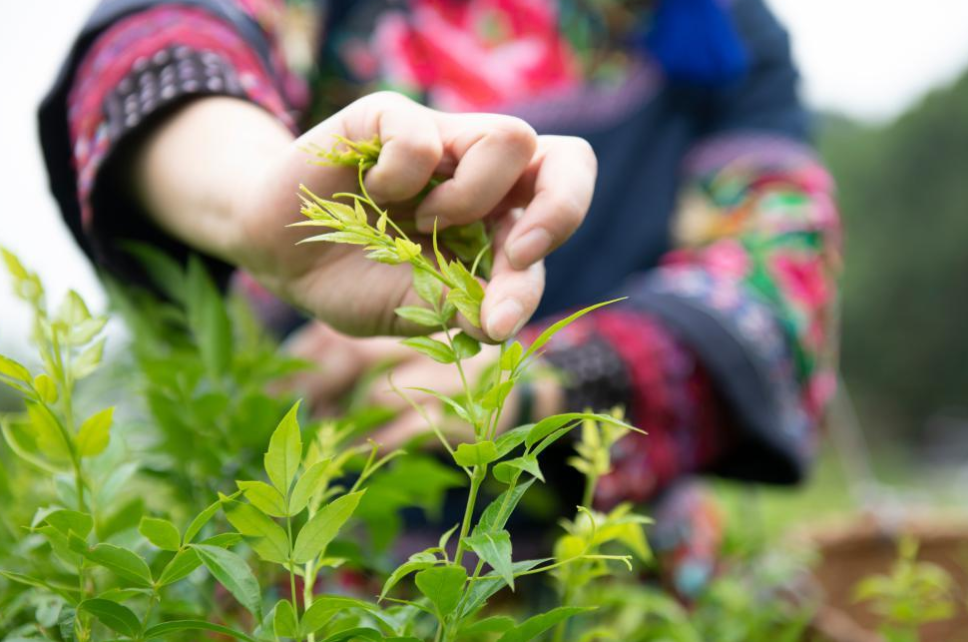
[197, 167]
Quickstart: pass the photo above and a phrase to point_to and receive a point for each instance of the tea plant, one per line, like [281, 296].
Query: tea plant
[96, 561]
[913, 594]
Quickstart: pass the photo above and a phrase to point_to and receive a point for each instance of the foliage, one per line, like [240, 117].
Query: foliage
[914, 593]
[97, 561]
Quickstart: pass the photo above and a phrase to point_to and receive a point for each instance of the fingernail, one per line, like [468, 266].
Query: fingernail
[505, 320]
[425, 223]
[529, 248]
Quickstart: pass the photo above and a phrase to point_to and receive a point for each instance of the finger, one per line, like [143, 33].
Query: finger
[411, 145]
[492, 151]
[511, 297]
[563, 173]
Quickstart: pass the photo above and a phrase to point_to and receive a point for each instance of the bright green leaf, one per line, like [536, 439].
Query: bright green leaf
[285, 624]
[552, 330]
[401, 572]
[436, 350]
[535, 626]
[271, 541]
[205, 516]
[496, 515]
[264, 497]
[122, 562]
[504, 471]
[161, 533]
[319, 531]
[88, 361]
[308, 484]
[443, 586]
[285, 451]
[178, 626]
[95, 432]
[71, 521]
[466, 346]
[512, 356]
[420, 316]
[494, 548]
[116, 617]
[428, 287]
[478, 454]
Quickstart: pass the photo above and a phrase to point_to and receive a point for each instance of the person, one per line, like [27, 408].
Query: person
[184, 123]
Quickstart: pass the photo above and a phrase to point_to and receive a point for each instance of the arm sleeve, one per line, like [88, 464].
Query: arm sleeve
[132, 62]
[725, 353]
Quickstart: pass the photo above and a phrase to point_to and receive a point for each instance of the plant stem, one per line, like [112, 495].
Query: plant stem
[309, 582]
[477, 477]
[291, 568]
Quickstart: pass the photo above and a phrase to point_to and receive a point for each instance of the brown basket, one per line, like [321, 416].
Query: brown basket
[853, 551]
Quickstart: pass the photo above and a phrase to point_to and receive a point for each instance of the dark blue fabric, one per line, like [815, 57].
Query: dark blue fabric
[694, 42]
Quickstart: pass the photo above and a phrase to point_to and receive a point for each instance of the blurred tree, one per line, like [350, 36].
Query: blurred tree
[904, 198]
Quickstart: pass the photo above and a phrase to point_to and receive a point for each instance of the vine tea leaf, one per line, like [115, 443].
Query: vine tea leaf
[285, 451]
[427, 286]
[47, 433]
[319, 531]
[285, 623]
[95, 433]
[13, 370]
[496, 395]
[436, 350]
[264, 497]
[443, 586]
[116, 617]
[467, 306]
[511, 439]
[234, 574]
[88, 361]
[478, 454]
[308, 484]
[504, 471]
[208, 318]
[122, 562]
[401, 572]
[512, 356]
[535, 626]
[71, 521]
[161, 533]
[466, 346]
[550, 425]
[178, 626]
[494, 548]
[418, 315]
[493, 624]
[481, 590]
[325, 606]
[496, 515]
[552, 330]
[206, 515]
[270, 540]
[186, 560]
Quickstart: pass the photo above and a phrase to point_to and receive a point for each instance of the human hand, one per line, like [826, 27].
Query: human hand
[498, 165]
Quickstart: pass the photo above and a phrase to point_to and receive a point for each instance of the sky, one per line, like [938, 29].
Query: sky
[870, 59]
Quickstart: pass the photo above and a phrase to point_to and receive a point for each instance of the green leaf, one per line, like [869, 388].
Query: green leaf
[116, 617]
[122, 562]
[443, 586]
[234, 574]
[163, 271]
[88, 361]
[95, 432]
[401, 572]
[13, 370]
[428, 287]
[467, 306]
[271, 541]
[478, 454]
[550, 425]
[85, 331]
[494, 548]
[318, 532]
[205, 516]
[325, 606]
[355, 635]
[285, 451]
[535, 626]
[72, 310]
[512, 356]
[177, 626]
[552, 330]
[179, 567]
[496, 515]
[161, 533]
[495, 396]
[208, 318]
[71, 521]
[50, 438]
[264, 497]
[489, 584]
[46, 388]
[511, 439]
[308, 484]
[285, 624]
[466, 346]
[504, 471]
[69, 593]
[436, 350]
[466, 281]
[420, 316]
[493, 624]
[461, 411]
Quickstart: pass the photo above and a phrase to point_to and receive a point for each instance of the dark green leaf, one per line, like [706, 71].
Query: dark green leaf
[178, 626]
[354, 635]
[208, 318]
[504, 471]
[285, 624]
[488, 585]
[511, 439]
[494, 548]
[325, 606]
[122, 562]
[161, 533]
[71, 521]
[116, 617]
[493, 624]
[443, 586]
[535, 626]
[205, 516]
[466, 346]
[234, 574]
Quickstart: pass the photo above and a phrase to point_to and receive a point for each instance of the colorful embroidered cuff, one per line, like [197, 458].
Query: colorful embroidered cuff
[132, 75]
